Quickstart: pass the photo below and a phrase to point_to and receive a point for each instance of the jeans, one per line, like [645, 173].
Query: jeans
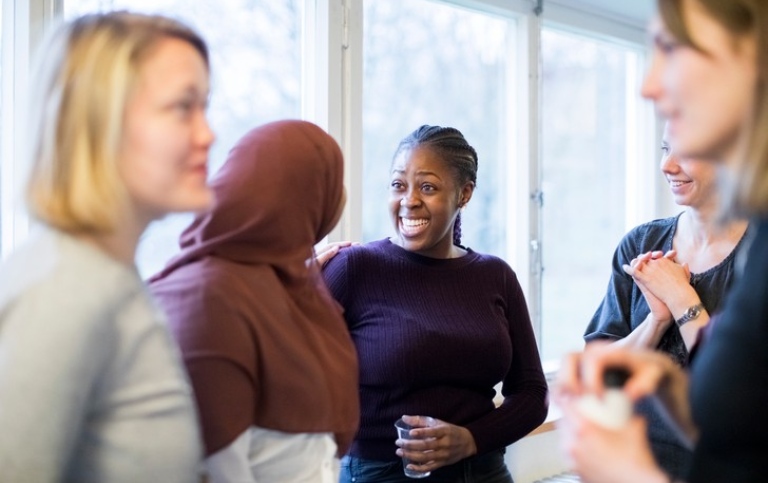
[486, 468]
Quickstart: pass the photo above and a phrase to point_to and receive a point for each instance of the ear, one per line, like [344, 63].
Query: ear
[466, 193]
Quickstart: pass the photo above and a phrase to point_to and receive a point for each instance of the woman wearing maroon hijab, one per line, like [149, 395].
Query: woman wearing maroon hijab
[272, 364]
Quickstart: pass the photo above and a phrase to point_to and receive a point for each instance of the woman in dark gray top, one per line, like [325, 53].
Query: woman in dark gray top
[668, 313]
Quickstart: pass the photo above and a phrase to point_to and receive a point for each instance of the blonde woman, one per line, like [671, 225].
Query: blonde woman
[91, 388]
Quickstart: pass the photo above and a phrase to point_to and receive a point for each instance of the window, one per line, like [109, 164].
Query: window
[567, 151]
[431, 63]
[589, 90]
[255, 50]
[2, 171]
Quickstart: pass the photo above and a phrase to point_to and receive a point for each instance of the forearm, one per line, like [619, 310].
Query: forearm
[679, 301]
[517, 416]
[690, 331]
[647, 335]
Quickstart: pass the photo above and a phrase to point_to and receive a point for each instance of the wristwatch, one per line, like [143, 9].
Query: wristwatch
[690, 313]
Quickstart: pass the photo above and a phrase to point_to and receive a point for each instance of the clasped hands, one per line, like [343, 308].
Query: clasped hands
[664, 283]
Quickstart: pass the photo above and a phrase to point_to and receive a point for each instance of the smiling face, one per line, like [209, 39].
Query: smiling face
[706, 94]
[424, 200]
[692, 181]
[164, 154]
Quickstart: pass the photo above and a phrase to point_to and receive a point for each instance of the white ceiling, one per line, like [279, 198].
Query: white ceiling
[636, 11]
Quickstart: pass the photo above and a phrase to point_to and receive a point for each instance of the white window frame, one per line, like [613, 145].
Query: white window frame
[332, 97]
[24, 23]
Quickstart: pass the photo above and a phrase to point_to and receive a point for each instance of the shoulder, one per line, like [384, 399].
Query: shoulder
[661, 227]
[214, 285]
[363, 254]
[486, 261]
[651, 235]
[488, 271]
[58, 263]
[59, 285]
[214, 303]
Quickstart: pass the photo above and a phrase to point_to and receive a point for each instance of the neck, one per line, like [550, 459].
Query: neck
[704, 227]
[121, 243]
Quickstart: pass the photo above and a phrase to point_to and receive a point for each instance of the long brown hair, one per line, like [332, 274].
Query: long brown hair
[746, 185]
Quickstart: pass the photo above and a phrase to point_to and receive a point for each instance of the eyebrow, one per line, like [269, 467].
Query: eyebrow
[420, 173]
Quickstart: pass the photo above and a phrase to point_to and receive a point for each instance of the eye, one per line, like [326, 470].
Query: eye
[667, 46]
[184, 107]
[428, 188]
[665, 149]
[396, 185]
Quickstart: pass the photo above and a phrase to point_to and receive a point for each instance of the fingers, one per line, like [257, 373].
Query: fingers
[426, 430]
[647, 369]
[568, 382]
[647, 373]
[424, 467]
[636, 263]
[435, 445]
[327, 252]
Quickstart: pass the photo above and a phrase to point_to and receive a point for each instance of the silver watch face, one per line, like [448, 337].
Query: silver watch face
[690, 314]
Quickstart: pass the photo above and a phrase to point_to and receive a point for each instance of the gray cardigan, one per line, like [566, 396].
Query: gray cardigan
[91, 387]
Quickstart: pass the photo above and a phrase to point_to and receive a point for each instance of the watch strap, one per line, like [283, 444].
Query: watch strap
[690, 314]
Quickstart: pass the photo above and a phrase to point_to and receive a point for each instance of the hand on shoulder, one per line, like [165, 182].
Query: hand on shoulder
[325, 253]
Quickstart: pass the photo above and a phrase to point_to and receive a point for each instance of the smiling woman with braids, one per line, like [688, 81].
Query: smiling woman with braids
[436, 327]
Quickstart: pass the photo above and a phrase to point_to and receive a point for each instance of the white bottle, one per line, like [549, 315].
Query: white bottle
[614, 408]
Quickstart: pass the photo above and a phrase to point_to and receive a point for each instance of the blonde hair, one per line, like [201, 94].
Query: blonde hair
[745, 189]
[85, 77]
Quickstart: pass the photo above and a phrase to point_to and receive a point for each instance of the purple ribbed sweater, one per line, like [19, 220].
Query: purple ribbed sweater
[433, 337]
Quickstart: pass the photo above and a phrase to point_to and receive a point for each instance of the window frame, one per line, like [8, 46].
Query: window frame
[332, 87]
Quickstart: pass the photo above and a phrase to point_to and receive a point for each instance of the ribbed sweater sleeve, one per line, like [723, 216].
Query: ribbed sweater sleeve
[433, 338]
[524, 386]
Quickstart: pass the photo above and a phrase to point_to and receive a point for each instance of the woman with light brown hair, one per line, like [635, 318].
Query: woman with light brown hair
[708, 78]
[91, 388]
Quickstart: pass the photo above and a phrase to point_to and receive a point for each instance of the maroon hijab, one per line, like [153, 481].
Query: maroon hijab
[264, 342]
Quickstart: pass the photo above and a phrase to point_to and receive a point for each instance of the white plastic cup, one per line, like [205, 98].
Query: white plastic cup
[403, 432]
[614, 409]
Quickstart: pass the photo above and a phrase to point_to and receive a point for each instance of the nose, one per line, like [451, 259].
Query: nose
[651, 88]
[409, 199]
[204, 134]
[669, 163]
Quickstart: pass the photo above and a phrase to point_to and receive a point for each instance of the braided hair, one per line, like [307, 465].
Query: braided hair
[449, 143]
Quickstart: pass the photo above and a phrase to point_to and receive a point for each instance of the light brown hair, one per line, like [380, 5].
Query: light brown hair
[746, 188]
